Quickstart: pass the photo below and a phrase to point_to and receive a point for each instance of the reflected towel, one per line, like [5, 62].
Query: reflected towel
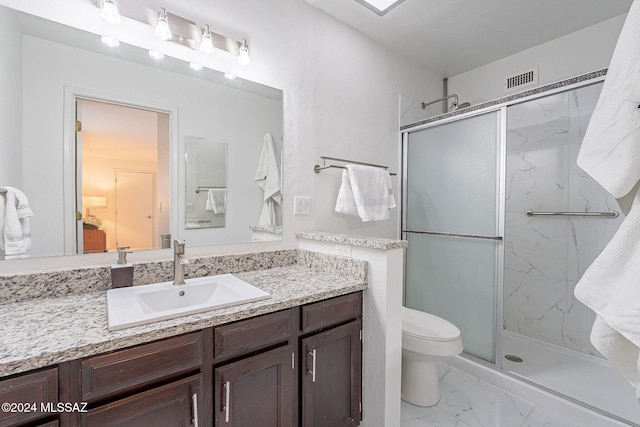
[216, 200]
[15, 231]
[268, 179]
[369, 189]
[610, 153]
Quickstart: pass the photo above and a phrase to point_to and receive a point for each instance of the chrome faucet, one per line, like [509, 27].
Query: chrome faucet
[179, 262]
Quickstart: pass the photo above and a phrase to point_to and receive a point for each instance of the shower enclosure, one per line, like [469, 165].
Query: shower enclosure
[501, 224]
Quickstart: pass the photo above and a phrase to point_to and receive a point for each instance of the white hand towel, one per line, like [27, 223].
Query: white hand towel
[372, 193]
[15, 235]
[346, 203]
[268, 178]
[216, 200]
[610, 153]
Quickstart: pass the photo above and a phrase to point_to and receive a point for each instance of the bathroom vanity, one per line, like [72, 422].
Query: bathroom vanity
[294, 359]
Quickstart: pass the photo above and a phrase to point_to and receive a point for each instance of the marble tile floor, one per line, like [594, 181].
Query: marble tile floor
[467, 401]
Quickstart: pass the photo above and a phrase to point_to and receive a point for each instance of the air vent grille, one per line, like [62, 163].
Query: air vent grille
[522, 79]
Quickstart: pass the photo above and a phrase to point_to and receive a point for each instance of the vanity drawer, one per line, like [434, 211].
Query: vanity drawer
[252, 334]
[124, 370]
[323, 314]
[34, 388]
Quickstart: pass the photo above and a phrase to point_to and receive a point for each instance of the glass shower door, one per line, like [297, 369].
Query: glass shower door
[450, 219]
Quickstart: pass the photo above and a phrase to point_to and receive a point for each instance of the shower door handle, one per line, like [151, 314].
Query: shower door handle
[468, 236]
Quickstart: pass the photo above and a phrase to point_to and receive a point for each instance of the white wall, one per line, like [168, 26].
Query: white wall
[580, 52]
[10, 100]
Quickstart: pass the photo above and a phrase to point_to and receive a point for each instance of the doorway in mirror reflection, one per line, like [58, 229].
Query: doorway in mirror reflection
[122, 158]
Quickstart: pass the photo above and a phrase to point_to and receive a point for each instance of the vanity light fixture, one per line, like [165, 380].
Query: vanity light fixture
[243, 54]
[195, 66]
[110, 12]
[206, 45]
[110, 41]
[180, 30]
[162, 27]
[230, 76]
[156, 55]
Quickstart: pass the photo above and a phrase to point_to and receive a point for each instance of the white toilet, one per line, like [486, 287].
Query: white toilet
[425, 338]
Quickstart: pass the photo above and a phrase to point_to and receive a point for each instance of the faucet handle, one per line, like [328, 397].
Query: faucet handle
[122, 254]
[178, 247]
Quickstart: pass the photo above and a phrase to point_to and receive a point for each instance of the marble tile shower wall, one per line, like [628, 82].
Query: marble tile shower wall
[545, 256]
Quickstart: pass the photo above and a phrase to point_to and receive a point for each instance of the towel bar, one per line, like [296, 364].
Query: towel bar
[203, 187]
[318, 168]
[611, 214]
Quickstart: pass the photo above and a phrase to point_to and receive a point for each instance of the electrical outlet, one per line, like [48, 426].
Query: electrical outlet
[343, 250]
[301, 205]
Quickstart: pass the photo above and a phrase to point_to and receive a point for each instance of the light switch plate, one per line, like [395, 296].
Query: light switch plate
[301, 205]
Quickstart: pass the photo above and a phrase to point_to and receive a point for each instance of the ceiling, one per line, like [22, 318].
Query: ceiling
[112, 131]
[453, 36]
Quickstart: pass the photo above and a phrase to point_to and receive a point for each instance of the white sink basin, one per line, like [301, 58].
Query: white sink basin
[140, 305]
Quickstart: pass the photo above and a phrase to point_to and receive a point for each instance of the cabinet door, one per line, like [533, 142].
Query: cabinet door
[35, 388]
[256, 391]
[174, 404]
[331, 383]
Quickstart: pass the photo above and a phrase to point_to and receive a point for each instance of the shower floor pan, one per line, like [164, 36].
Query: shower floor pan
[576, 375]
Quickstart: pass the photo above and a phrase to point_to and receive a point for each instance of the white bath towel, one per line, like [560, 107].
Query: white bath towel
[369, 189]
[268, 178]
[610, 153]
[15, 231]
[216, 200]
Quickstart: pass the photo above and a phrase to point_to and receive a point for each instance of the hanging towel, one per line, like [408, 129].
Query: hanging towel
[15, 231]
[268, 179]
[369, 189]
[346, 203]
[216, 200]
[610, 153]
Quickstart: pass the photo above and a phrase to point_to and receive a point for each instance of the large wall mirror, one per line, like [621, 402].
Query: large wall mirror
[121, 178]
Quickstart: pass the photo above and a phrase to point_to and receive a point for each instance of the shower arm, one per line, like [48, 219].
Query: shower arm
[424, 104]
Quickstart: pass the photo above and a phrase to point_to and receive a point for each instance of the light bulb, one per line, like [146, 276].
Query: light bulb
[195, 66]
[110, 12]
[110, 41]
[162, 28]
[206, 45]
[156, 55]
[243, 54]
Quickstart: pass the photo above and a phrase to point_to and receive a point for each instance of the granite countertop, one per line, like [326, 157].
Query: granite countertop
[43, 332]
[348, 239]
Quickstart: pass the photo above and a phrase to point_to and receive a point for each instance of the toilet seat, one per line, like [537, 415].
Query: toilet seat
[419, 325]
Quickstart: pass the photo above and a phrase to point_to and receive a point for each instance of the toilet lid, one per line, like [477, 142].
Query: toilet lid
[427, 326]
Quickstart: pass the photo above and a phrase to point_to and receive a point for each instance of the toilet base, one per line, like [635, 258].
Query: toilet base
[420, 385]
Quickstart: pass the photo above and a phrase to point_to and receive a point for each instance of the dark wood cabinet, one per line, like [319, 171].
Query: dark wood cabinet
[299, 366]
[122, 371]
[331, 384]
[256, 391]
[175, 404]
[28, 396]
